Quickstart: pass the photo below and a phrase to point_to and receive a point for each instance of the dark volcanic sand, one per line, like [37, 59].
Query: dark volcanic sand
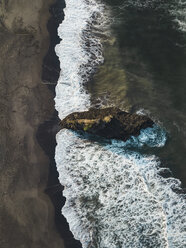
[47, 131]
[27, 216]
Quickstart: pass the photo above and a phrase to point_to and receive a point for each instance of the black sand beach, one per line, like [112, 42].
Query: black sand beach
[28, 126]
[46, 134]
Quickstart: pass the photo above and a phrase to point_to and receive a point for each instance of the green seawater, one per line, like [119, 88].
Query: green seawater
[145, 69]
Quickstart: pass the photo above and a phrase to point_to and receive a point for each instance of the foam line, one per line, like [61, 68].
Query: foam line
[115, 196]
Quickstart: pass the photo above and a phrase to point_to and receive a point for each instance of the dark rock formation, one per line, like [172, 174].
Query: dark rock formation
[111, 123]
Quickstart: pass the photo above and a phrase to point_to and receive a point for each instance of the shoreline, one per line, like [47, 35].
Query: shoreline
[46, 134]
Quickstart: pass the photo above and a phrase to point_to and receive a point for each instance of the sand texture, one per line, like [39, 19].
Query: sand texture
[26, 212]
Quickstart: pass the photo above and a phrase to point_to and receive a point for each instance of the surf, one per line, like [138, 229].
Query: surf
[115, 193]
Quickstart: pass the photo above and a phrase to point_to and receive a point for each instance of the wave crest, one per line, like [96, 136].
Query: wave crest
[116, 197]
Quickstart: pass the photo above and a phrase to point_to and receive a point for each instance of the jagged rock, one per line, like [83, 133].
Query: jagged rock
[111, 123]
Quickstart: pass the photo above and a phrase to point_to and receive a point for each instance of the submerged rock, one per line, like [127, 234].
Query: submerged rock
[111, 123]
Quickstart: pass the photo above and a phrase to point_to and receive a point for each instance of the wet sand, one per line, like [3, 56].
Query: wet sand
[27, 216]
[46, 134]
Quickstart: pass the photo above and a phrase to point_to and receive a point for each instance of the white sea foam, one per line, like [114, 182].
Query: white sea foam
[180, 14]
[115, 197]
[79, 52]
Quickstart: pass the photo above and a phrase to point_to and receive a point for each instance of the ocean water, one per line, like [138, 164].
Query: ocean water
[128, 54]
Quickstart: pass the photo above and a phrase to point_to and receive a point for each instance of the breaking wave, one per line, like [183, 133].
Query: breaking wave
[80, 52]
[115, 194]
[180, 14]
[116, 197]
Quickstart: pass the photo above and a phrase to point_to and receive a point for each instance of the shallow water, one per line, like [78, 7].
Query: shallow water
[129, 54]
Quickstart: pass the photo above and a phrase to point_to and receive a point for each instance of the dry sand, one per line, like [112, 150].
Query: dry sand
[26, 212]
